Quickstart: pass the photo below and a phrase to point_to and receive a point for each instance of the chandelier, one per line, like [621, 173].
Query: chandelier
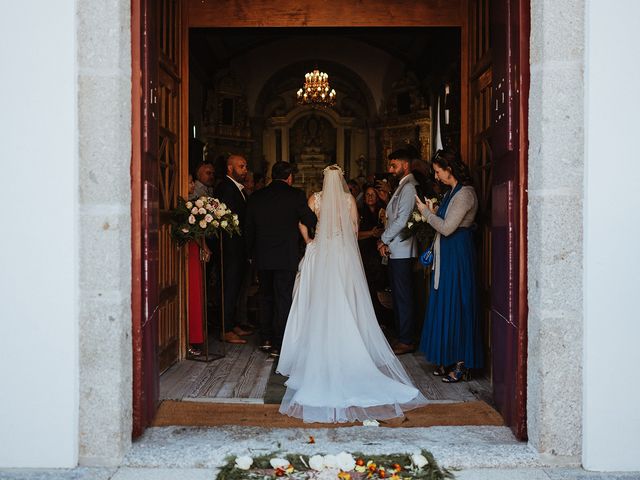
[316, 90]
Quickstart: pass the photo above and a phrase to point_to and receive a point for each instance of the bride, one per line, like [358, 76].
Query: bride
[339, 363]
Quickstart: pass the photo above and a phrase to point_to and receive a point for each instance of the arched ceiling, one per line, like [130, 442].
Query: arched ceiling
[378, 56]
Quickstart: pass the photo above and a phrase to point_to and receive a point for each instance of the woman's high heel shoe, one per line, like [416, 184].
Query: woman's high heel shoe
[193, 351]
[440, 371]
[459, 373]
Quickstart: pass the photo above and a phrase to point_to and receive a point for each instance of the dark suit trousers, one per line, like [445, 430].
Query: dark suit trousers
[276, 292]
[235, 270]
[401, 279]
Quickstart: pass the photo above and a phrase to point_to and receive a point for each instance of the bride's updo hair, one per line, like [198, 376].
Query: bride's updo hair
[334, 167]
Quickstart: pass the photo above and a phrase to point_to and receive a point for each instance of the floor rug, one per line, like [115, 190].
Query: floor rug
[203, 414]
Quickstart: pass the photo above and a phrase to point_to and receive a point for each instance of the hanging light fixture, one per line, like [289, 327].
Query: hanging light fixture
[316, 90]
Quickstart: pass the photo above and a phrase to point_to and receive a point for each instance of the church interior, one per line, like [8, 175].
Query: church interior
[393, 87]
[243, 85]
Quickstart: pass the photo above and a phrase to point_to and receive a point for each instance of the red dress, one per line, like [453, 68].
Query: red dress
[194, 305]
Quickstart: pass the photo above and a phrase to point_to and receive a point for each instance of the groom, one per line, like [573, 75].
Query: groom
[401, 252]
[272, 239]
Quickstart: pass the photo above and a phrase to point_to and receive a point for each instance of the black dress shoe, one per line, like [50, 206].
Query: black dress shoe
[266, 346]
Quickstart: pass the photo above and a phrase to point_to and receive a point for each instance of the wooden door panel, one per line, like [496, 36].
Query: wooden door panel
[168, 140]
[145, 211]
[480, 159]
[508, 309]
[157, 318]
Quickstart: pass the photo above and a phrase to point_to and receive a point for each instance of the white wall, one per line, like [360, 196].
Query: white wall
[611, 428]
[38, 247]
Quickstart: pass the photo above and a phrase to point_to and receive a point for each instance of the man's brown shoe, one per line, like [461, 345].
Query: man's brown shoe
[402, 348]
[242, 333]
[231, 337]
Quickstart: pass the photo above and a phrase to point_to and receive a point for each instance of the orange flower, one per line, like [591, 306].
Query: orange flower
[396, 467]
[382, 473]
[280, 472]
[290, 469]
[371, 466]
[394, 477]
[344, 475]
[311, 439]
[360, 462]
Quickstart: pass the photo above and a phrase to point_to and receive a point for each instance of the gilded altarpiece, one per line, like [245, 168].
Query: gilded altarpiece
[405, 119]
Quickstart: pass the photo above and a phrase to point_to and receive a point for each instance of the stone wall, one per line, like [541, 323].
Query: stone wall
[104, 128]
[556, 168]
[555, 218]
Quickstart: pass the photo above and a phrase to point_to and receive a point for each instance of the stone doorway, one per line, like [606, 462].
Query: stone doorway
[196, 14]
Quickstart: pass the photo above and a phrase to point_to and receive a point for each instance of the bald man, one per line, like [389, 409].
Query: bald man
[234, 260]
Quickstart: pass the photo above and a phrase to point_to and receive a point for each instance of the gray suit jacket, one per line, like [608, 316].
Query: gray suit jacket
[398, 212]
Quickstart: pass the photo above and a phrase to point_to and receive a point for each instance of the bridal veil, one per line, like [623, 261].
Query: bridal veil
[339, 363]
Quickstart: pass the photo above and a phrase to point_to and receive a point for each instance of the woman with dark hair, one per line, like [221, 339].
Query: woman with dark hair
[371, 227]
[451, 335]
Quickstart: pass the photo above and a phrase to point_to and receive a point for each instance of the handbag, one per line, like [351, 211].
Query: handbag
[426, 258]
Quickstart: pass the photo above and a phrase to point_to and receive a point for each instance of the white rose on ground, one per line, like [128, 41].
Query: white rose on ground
[346, 462]
[419, 460]
[279, 463]
[194, 210]
[215, 223]
[316, 462]
[202, 211]
[236, 222]
[327, 474]
[199, 203]
[330, 461]
[202, 224]
[235, 216]
[224, 224]
[208, 218]
[244, 463]
[192, 219]
[371, 423]
[189, 205]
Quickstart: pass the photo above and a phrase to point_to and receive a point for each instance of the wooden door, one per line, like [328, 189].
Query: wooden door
[480, 160]
[156, 262]
[145, 194]
[168, 140]
[510, 57]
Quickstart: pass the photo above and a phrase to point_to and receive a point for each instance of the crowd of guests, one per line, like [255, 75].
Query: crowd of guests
[449, 333]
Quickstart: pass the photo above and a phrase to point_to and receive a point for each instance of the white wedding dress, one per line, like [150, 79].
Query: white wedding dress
[339, 363]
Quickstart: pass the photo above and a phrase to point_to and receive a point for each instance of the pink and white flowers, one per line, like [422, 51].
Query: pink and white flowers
[203, 217]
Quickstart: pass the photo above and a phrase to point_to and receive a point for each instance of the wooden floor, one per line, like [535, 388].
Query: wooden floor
[245, 376]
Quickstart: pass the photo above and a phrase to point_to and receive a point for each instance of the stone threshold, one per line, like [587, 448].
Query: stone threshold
[197, 453]
[453, 447]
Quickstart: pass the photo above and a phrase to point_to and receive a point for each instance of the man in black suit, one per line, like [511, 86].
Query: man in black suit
[234, 258]
[272, 238]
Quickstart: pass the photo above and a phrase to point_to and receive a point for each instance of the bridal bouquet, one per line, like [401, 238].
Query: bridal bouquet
[418, 227]
[202, 217]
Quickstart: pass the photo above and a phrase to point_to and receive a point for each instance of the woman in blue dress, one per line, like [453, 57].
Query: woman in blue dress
[451, 332]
